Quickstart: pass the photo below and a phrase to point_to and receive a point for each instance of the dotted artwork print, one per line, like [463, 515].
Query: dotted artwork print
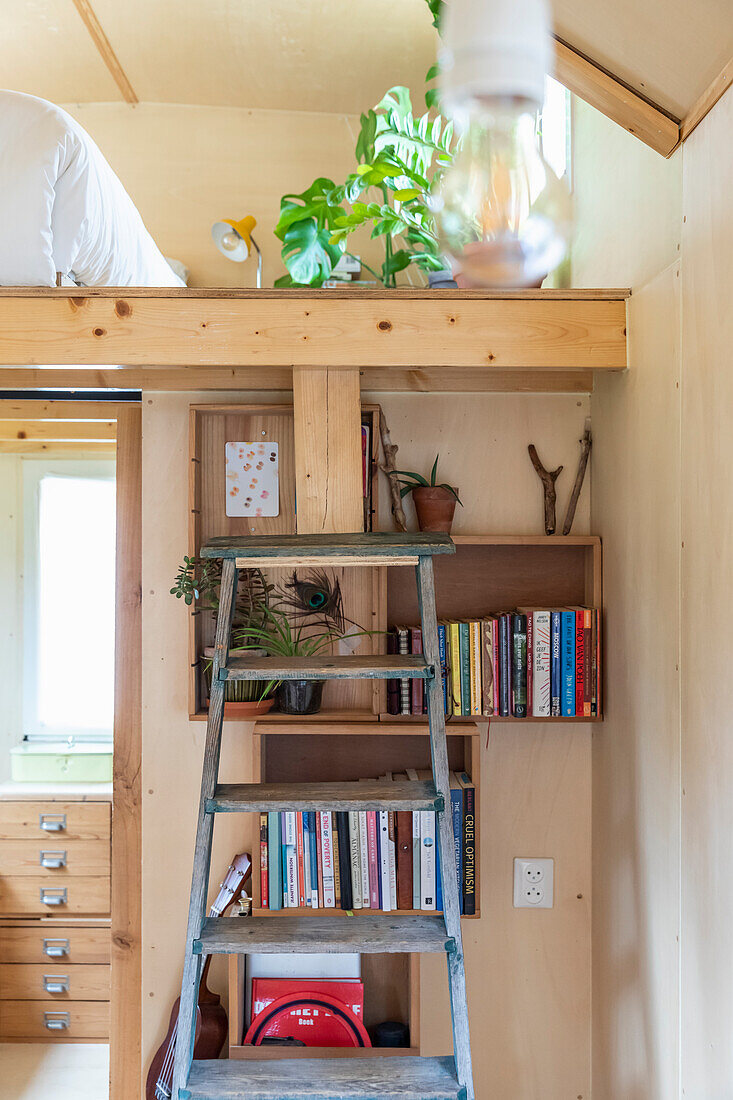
[252, 484]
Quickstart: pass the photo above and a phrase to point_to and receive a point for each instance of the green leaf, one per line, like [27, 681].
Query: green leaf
[405, 194]
[319, 201]
[308, 253]
[365, 141]
[415, 477]
[436, 10]
[434, 470]
[452, 491]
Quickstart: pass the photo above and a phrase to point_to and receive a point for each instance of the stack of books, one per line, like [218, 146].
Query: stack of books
[527, 663]
[367, 859]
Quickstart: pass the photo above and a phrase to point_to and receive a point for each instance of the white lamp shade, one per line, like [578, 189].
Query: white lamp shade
[229, 242]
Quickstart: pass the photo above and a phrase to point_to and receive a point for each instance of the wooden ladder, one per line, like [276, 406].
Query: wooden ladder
[409, 1078]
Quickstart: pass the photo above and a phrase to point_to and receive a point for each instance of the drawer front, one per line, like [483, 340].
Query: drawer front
[39, 897]
[54, 1023]
[55, 858]
[57, 945]
[52, 822]
[53, 982]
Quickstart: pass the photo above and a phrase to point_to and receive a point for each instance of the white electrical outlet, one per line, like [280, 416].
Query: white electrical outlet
[534, 883]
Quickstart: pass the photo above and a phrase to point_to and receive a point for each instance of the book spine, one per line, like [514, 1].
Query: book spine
[595, 667]
[404, 859]
[274, 862]
[541, 664]
[300, 847]
[307, 857]
[319, 860]
[530, 656]
[503, 667]
[455, 668]
[427, 859]
[438, 872]
[495, 644]
[364, 859]
[392, 832]
[313, 859]
[355, 859]
[474, 635]
[469, 848]
[519, 666]
[416, 686]
[386, 890]
[284, 857]
[465, 654]
[373, 853]
[336, 862]
[487, 667]
[567, 673]
[456, 805]
[342, 829]
[443, 655]
[555, 664]
[404, 649]
[264, 884]
[579, 662]
[393, 686]
[587, 661]
[291, 859]
[329, 891]
[416, 856]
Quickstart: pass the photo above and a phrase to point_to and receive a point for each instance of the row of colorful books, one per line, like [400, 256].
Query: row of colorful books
[367, 859]
[532, 662]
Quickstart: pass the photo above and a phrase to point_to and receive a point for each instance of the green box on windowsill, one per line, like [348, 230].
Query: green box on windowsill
[61, 763]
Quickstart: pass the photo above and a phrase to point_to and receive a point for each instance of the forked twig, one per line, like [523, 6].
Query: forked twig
[389, 467]
[548, 479]
[585, 445]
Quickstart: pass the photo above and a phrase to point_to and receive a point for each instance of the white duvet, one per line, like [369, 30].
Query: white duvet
[62, 208]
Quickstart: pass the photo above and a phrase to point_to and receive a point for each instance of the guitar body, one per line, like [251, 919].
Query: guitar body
[211, 1034]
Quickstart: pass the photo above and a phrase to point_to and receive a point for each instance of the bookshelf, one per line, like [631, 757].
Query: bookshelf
[336, 751]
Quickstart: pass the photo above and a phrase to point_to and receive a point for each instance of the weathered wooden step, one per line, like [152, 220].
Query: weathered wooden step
[368, 667]
[325, 1079]
[371, 795]
[281, 933]
[378, 548]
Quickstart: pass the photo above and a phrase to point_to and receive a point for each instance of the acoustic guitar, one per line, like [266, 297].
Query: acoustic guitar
[211, 1018]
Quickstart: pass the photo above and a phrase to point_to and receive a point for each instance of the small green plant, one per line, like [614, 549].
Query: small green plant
[410, 480]
[282, 638]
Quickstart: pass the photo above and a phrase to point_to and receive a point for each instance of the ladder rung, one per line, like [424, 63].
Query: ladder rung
[275, 549]
[306, 934]
[277, 797]
[325, 1079]
[368, 667]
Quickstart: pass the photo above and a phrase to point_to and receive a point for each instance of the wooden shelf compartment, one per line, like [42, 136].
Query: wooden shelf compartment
[211, 426]
[490, 573]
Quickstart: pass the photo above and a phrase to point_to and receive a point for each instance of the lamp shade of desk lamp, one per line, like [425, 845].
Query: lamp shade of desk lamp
[235, 241]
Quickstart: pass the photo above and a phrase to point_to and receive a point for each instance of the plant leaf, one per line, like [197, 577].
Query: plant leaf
[434, 469]
[308, 253]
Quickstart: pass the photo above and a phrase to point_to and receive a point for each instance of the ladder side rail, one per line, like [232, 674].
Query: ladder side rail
[441, 776]
[204, 832]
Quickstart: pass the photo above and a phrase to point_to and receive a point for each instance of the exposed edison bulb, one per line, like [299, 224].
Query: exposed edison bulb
[503, 215]
[230, 241]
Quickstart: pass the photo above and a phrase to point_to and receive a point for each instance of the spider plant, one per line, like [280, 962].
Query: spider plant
[411, 481]
[282, 638]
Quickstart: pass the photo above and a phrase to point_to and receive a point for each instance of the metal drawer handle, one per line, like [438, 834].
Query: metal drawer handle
[52, 860]
[54, 897]
[56, 949]
[57, 1021]
[52, 823]
[56, 983]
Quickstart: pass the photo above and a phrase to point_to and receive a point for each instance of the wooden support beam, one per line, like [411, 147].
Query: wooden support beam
[38, 409]
[328, 475]
[108, 55]
[613, 98]
[707, 101]
[94, 447]
[126, 990]
[57, 430]
[273, 329]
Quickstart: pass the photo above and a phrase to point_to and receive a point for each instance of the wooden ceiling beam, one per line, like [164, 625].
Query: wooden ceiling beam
[37, 409]
[646, 121]
[706, 102]
[104, 48]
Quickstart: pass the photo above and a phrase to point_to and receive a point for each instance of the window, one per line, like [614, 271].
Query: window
[68, 599]
[554, 124]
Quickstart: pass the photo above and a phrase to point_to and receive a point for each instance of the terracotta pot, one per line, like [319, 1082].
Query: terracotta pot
[434, 507]
[247, 709]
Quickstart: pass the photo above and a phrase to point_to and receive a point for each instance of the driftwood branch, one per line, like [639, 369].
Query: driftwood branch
[548, 479]
[390, 469]
[585, 445]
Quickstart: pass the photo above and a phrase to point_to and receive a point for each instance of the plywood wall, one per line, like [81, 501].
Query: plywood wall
[11, 619]
[529, 972]
[187, 167]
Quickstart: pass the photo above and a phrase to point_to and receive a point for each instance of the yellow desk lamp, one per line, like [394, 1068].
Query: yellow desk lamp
[235, 241]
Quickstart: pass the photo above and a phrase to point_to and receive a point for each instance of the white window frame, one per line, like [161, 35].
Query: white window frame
[33, 472]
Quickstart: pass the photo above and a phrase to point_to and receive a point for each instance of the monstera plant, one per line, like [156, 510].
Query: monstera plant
[399, 158]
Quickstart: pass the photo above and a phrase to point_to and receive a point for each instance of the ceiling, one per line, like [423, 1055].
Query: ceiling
[327, 55]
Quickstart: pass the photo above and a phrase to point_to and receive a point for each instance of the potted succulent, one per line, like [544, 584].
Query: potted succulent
[435, 503]
[199, 580]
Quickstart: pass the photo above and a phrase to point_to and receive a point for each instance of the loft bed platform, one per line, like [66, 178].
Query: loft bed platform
[522, 341]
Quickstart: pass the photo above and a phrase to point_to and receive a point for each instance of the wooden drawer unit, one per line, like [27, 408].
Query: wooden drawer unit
[55, 858]
[41, 1020]
[55, 945]
[42, 896]
[53, 982]
[53, 823]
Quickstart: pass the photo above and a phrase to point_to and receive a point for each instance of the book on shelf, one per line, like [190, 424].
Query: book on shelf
[374, 859]
[527, 663]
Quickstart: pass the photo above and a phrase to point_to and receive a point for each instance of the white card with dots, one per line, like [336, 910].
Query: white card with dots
[252, 479]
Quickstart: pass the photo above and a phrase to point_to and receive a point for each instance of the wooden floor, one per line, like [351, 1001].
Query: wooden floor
[64, 1071]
